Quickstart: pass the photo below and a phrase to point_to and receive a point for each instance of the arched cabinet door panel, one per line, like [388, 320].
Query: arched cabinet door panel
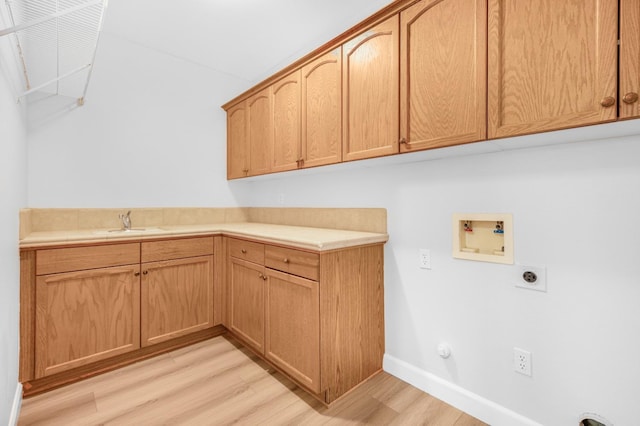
[237, 142]
[370, 98]
[286, 123]
[322, 110]
[443, 73]
[260, 133]
[551, 64]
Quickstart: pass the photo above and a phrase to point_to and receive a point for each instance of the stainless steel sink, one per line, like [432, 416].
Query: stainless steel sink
[126, 231]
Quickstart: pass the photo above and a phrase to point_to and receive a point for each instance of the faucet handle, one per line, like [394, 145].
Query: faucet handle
[126, 220]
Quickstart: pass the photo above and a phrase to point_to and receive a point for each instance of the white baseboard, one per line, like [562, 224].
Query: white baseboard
[472, 404]
[15, 408]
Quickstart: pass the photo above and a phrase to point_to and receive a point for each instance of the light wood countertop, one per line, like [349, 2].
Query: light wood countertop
[317, 239]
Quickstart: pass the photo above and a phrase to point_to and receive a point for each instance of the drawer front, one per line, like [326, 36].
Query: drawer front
[292, 261]
[153, 251]
[246, 250]
[53, 261]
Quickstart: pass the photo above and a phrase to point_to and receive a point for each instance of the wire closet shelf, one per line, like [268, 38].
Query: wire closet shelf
[54, 43]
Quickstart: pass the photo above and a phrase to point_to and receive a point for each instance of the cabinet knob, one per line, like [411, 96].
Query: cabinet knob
[285, 260]
[243, 251]
[136, 274]
[607, 102]
[300, 162]
[145, 272]
[245, 171]
[630, 98]
[403, 141]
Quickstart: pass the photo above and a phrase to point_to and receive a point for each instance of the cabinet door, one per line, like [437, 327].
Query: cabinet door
[443, 73]
[286, 123]
[87, 316]
[293, 327]
[237, 142]
[552, 64]
[177, 298]
[260, 133]
[246, 300]
[629, 59]
[322, 110]
[370, 84]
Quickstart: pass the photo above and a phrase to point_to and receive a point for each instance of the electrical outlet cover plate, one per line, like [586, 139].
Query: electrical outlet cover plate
[425, 258]
[522, 361]
[540, 283]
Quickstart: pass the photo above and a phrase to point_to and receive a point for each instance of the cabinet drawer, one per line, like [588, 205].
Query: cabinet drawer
[153, 251]
[246, 250]
[293, 261]
[53, 261]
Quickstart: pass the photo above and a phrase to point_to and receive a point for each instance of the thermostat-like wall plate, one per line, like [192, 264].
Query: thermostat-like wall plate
[485, 237]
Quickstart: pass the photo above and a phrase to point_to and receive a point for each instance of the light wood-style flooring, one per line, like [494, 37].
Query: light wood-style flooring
[218, 382]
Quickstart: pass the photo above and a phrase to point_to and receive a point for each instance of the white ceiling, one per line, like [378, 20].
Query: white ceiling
[249, 39]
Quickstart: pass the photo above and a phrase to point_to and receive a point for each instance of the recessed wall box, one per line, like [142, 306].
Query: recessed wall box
[486, 237]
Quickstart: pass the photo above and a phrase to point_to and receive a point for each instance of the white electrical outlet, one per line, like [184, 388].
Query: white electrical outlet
[531, 277]
[425, 258]
[522, 361]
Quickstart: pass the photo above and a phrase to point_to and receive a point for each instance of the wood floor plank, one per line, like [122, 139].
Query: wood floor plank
[219, 371]
[467, 420]
[396, 394]
[62, 410]
[219, 382]
[428, 411]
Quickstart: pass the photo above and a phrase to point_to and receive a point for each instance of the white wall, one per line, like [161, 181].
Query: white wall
[151, 133]
[574, 208]
[13, 197]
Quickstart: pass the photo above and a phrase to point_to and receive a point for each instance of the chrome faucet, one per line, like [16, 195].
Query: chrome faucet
[126, 220]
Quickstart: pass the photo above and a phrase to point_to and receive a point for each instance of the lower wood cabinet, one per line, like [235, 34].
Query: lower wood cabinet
[86, 305]
[86, 316]
[292, 329]
[176, 298]
[316, 316]
[177, 288]
[246, 289]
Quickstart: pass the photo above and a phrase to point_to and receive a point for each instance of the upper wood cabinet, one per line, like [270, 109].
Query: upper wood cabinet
[249, 136]
[259, 132]
[551, 64]
[433, 73]
[286, 123]
[442, 73]
[237, 142]
[322, 110]
[629, 105]
[370, 98]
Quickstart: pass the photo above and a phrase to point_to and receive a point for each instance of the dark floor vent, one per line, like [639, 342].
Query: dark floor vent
[591, 422]
[590, 419]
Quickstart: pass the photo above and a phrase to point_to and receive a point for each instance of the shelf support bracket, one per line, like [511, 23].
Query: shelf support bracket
[34, 89]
